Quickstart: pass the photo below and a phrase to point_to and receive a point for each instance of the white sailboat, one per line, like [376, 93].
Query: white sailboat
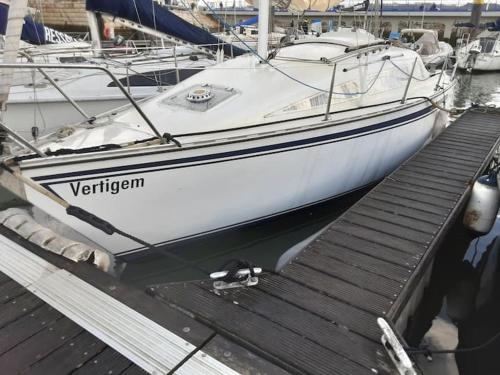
[320, 118]
[481, 54]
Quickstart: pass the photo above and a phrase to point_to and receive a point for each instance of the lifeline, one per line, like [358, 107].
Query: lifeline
[105, 186]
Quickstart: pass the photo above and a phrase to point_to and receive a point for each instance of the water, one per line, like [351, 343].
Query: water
[461, 305]
[262, 244]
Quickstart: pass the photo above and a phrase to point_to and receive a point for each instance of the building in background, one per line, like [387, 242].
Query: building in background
[69, 15]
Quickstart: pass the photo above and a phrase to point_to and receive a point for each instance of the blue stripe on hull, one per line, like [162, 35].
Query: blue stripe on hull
[250, 152]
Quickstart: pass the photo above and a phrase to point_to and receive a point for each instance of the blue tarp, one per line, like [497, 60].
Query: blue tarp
[33, 32]
[248, 22]
[154, 16]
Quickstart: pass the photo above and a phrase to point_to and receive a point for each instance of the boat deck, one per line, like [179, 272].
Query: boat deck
[318, 314]
[315, 316]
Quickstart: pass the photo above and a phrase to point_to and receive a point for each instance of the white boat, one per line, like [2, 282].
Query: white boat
[426, 43]
[35, 102]
[482, 54]
[255, 142]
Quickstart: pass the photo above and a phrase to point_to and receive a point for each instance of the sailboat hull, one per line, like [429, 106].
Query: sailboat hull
[167, 196]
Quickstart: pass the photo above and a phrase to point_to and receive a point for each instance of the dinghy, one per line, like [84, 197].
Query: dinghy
[254, 138]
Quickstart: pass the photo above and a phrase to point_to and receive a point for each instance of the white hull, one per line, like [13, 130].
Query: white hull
[482, 54]
[254, 142]
[193, 191]
[483, 62]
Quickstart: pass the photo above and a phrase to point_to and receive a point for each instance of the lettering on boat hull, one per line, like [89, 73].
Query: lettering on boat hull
[106, 186]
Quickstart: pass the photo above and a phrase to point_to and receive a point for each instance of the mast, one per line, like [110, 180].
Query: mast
[17, 11]
[95, 35]
[475, 15]
[263, 28]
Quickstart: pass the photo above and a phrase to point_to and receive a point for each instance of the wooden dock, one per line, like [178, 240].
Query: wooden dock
[316, 316]
[58, 317]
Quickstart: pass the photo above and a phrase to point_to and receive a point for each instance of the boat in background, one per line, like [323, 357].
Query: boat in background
[481, 54]
[426, 43]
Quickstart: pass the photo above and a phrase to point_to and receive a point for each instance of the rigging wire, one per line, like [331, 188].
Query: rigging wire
[266, 61]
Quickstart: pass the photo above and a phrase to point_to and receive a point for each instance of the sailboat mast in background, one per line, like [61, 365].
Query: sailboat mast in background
[263, 28]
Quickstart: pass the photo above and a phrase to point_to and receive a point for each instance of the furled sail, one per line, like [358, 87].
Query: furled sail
[33, 32]
[148, 13]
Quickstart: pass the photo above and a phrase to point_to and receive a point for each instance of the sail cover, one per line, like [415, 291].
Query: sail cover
[148, 13]
[33, 32]
[248, 22]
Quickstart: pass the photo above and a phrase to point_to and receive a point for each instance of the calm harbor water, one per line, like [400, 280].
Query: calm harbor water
[461, 304]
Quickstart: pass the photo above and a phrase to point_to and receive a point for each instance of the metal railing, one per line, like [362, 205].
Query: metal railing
[408, 82]
[403, 100]
[58, 88]
[164, 138]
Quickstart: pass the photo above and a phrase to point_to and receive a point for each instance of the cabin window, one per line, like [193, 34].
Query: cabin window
[166, 77]
[73, 59]
[486, 44]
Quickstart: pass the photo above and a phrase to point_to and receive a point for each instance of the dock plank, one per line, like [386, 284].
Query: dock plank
[108, 361]
[368, 247]
[22, 305]
[73, 354]
[420, 196]
[321, 304]
[360, 277]
[394, 218]
[27, 326]
[38, 346]
[295, 352]
[239, 358]
[432, 191]
[10, 290]
[364, 261]
[384, 239]
[306, 324]
[337, 288]
[386, 227]
[410, 203]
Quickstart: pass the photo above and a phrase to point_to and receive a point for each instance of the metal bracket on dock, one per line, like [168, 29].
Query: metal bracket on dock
[395, 350]
[243, 277]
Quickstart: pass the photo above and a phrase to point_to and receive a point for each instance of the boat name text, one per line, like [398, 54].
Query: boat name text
[106, 186]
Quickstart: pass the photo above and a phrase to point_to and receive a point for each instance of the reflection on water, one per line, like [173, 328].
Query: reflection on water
[461, 304]
[482, 88]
